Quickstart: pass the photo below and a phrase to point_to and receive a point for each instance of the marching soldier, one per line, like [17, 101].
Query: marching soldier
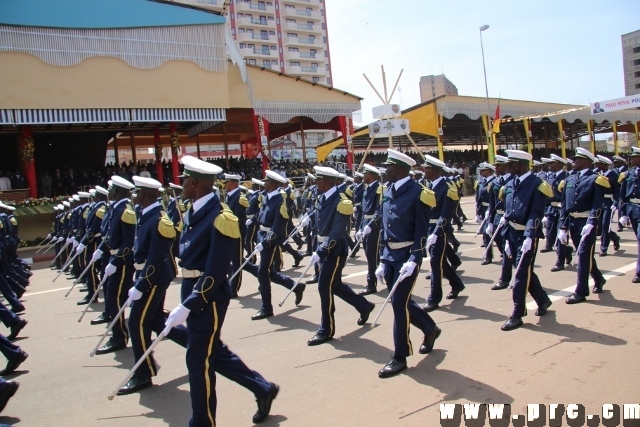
[496, 211]
[582, 201]
[210, 230]
[611, 198]
[155, 269]
[290, 201]
[556, 178]
[255, 200]
[440, 215]
[358, 194]
[175, 209]
[405, 227]
[92, 240]
[630, 201]
[524, 200]
[119, 270]
[332, 218]
[272, 218]
[369, 231]
[238, 203]
[483, 193]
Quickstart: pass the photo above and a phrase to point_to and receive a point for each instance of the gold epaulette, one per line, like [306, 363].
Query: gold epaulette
[284, 211]
[14, 222]
[475, 186]
[349, 192]
[428, 197]
[621, 178]
[379, 190]
[561, 185]
[85, 214]
[181, 206]
[489, 186]
[227, 223]
[100, 212]
[292, 196]
[165, 226]
[501, 193]
[244, 202]
[345, 207]
[545, 189]
[452, 192]
[129, 215]
[69, 215]
[603, 181]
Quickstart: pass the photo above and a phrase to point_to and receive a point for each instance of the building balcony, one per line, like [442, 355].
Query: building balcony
[243, 7]
[301, 41]
[301, 13]
[215, 5]
[306, 28]
[258, 52]
[257, 23]
[252, 37]
[305, 70]
[308, 56]
[306, 3]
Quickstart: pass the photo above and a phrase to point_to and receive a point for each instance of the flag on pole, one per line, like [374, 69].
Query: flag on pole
[496, 119]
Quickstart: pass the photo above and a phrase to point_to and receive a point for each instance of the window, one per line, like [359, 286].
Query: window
[636, 62]
[637, 74]
[327, 67]
[636, 49]
[294, 64]
[288, 6]
[291, 21]
[272, 33]
[241, 30]
[252, 61]
[329, 81]
[324, 27]
[240, 15]
[324, 40]
[293, 35]
[266, 63]
[270, 18]
[637, 85]
[274, 62]
[269, 3]
[293, 49]
[233, 31]
[326, 54]
[243, 45]
[314, 65]
[231, 15]
[316, 79]
[272, 47]
[251, 46]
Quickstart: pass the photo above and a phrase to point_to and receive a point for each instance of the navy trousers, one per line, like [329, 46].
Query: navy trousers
[440, 268]
[371, 250]
[118, 285]
[526, 280]
[269, 271]
[586, 260]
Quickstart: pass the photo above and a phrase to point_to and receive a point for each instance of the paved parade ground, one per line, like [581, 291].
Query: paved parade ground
[585, 353]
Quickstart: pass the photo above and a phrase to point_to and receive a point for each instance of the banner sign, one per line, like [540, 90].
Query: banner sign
[386, 128]
[625, 103]
[388, 111]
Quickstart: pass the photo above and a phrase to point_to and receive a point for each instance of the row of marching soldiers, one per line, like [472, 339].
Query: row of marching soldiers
[560, 200]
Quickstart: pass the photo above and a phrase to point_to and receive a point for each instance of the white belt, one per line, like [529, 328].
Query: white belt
[368, 216]
[485, 204]
[97, 235]
[499, 212]
[579, 214]
[556, 204]
[322, 239]
[517, 226]
[250, 216]
[434, 221]
[191, 274]
[113, 251]
[398, 245]
[608, 196]
[634, 200]
[265, 229]
[139, 266]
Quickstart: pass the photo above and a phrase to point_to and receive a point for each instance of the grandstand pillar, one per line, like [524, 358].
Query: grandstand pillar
[175, 147]
[615, 138]
[226, 143]
[304, 144]
[198, 145]
[27, 150]
[116, 155]
[158, 152]
[134, 157]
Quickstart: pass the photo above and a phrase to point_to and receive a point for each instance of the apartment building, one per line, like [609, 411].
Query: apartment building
[631, 62]
[434, 86]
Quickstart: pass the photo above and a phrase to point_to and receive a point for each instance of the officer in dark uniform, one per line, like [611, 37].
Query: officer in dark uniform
[238, 203]
[630, 201]
[119, 270]
[545, 167]
[272, 218]
[446, 198]
[290, 201]
[483, 193]
[210, 230]
[92, 240]
[155, 269]
[524, 200]
[611, 199]
[175, 210]
[251, 223]
[496, 211]
[369, 231]
[405, 226]
[103, 254]
[358, 194]
[332, 218]
[556, 179]
[582, 201]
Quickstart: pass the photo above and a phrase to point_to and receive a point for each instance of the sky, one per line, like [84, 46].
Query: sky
[562, 51]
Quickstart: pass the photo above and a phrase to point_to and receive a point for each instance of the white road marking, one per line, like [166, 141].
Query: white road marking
[568, 291]
[28, 294]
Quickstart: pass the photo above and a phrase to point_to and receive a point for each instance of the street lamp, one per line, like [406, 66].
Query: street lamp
[486, 88]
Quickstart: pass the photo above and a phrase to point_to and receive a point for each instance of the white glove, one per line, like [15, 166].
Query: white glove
[478, 219]
[527, 245]
[69, 240]
[48, 236]
[359, 236]
[545, 222]
[563, 237]
[382, 268]
[315, 258]
[304, 221]
[134, 294]
[431, 240]
[258, 248]
[503, 221]
[365, 231]
[489, 230]
[625, 221]
[177, 316]
[109, 270]
[60, 239]
[507, 249]
[486, 214]
[586, 229]
[249, 222]
[96, 255]
[407, 269]
[75, 243]
[613, 208]
[80, 248]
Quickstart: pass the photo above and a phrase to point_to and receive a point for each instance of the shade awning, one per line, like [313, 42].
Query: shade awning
[110, 115]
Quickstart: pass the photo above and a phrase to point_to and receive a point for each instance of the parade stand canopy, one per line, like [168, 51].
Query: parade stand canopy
[77, 74]
[460, 121]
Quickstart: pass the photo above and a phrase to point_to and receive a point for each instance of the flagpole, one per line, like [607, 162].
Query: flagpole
[491, 147]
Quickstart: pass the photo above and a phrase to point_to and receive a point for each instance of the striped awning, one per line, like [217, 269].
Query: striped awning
[111, 115]
[178, 115]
